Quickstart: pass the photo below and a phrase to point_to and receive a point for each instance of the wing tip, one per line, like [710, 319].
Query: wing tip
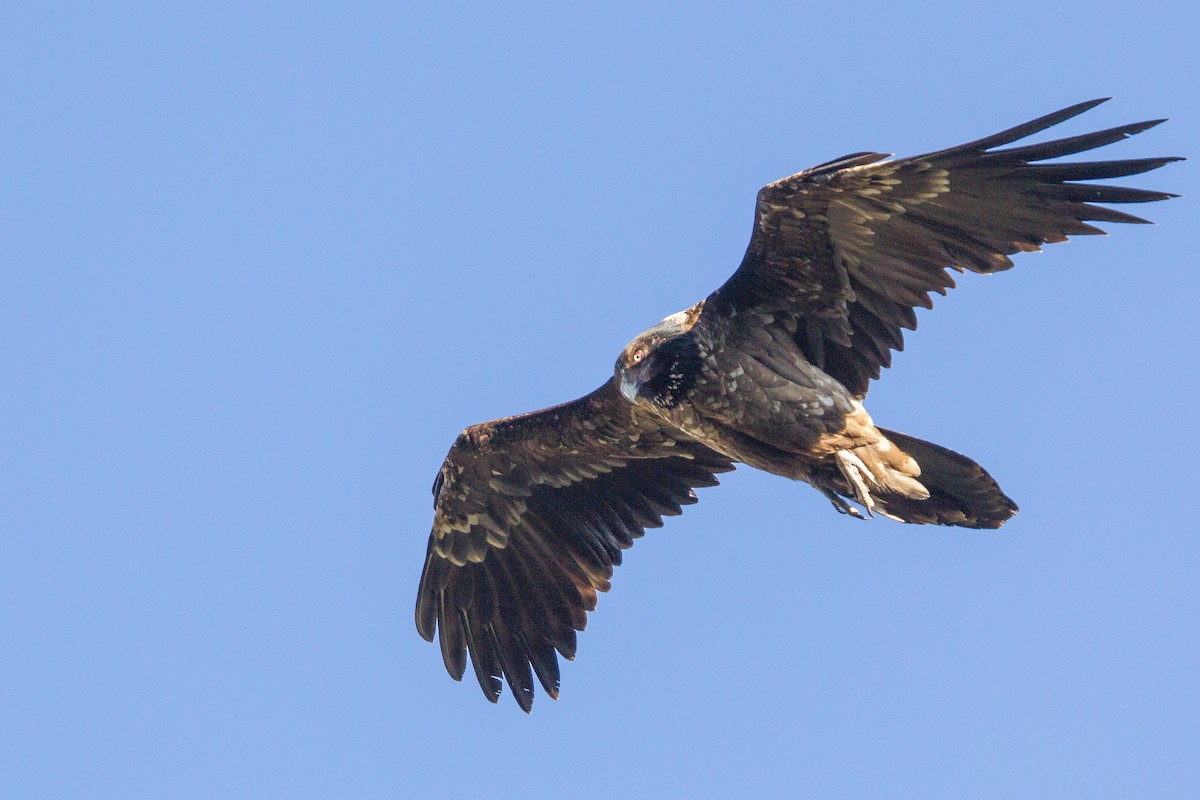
[1086, 105]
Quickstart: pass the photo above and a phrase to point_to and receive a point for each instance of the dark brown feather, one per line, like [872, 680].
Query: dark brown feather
[853, 246]
[600, 473]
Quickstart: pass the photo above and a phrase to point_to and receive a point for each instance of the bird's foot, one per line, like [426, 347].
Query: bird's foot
[854, 471]
[841, 505]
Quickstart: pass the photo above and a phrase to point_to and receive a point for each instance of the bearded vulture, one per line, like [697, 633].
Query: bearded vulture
[531, 513]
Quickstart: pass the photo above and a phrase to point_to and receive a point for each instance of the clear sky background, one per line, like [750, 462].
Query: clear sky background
[261, 262]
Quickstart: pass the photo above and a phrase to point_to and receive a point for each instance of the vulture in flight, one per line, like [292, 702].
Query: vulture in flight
[531, 512]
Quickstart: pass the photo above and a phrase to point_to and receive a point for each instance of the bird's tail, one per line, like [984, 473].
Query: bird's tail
[961, 492]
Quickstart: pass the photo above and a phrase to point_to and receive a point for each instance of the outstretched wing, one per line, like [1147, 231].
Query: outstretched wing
[849, 248]
[531, 516]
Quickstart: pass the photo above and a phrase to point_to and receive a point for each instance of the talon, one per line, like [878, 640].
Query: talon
[841, 505]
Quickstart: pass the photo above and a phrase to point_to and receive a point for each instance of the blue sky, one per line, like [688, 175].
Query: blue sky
[262, 262]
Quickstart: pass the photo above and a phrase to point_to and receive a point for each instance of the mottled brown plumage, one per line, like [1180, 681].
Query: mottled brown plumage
[533, 512]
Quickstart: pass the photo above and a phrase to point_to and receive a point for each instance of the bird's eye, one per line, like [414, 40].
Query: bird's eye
[638, 355]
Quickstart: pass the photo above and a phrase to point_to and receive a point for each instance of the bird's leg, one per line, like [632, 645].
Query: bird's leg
[854, 470]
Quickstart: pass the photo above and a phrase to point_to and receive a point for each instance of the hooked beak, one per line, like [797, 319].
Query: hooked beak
[629, 386]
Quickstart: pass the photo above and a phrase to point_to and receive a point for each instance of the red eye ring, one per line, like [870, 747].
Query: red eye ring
[638, 355]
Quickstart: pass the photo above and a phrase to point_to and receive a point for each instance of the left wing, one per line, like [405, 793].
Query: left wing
[849, 248]
[531, 516]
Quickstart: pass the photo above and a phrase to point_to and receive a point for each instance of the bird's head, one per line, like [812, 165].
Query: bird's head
[660, 365]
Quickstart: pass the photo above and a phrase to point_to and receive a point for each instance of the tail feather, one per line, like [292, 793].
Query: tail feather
[961, 492]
